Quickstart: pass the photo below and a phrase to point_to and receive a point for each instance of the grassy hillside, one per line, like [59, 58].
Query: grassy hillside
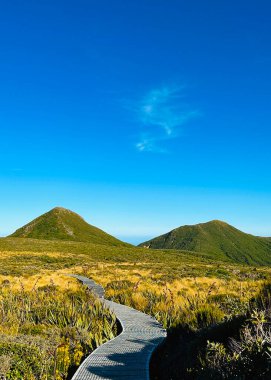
[25, 256]
[218, 239]
[63, 224]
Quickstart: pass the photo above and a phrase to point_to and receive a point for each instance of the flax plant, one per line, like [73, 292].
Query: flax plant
[45, 333]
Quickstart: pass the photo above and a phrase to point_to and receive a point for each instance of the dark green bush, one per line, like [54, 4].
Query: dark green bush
[25, 363]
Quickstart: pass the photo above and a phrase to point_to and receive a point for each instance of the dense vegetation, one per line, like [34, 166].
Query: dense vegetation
[236, 347]
[188, 293]
[215, 307]
[218, 239]
[45, 332]
[63, 224]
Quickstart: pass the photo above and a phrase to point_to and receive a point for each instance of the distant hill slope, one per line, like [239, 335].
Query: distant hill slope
[63, 224]
[218, 239]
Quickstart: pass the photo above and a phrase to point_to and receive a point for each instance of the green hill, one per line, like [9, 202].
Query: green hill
[218, 239]
[63, 224]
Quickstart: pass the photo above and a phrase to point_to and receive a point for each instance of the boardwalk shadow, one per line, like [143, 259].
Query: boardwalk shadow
[132, 364]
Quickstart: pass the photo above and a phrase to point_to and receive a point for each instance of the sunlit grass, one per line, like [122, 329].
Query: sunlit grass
[47, 325]
[181, 289]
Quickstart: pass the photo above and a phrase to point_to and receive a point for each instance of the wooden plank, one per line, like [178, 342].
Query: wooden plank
[127, 356]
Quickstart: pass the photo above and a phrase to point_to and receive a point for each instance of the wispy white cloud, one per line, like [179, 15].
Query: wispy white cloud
[150, 143]
[162, 113]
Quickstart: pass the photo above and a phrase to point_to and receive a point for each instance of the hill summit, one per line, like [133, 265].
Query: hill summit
[218, 239]
[63, 224]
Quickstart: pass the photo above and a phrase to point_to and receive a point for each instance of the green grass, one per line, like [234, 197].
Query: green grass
[24, 256]
[219, 240]
[63, 224]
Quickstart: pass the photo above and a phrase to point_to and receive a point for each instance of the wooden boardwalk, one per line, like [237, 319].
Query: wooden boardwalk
[128, 355]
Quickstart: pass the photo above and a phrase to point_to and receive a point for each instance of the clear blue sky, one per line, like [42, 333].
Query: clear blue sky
[140, 115]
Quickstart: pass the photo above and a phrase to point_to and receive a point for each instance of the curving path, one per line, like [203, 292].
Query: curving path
[128, 355]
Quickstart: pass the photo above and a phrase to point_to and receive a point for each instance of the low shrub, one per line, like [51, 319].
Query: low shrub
[45, 333]
[249, 357]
